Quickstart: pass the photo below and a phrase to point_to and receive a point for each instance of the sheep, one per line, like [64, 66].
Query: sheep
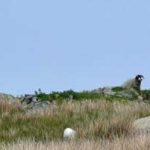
[69, 134]
[134, 83]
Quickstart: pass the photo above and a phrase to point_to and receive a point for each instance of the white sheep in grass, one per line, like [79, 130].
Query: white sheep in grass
[69, 134]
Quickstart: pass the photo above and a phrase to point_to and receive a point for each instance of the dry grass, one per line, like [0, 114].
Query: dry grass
[93, 120]
[141, 142]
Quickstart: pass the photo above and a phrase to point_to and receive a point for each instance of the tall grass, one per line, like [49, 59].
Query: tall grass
[141, 142]
[93, 120]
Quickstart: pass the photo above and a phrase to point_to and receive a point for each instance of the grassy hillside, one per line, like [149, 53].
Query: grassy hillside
[92, 120]
[100, 120]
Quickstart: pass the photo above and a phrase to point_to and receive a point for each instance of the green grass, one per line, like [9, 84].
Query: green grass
[91, 119]
[67, 95]
[145, 94]
[91, 95]
[80, 96]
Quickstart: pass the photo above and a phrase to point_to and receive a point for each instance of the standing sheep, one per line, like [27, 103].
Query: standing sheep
[134, 83]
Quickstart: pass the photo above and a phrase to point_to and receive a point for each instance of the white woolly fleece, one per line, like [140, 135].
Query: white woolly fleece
[69, 134]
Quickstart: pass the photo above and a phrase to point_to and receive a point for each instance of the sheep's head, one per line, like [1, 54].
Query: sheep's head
[139, 78]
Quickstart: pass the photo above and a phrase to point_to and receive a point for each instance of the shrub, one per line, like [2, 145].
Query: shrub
[145, 94]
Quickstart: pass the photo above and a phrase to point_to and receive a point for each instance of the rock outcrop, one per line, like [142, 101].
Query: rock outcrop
[31, 102]
[130, 94]
[142, 125]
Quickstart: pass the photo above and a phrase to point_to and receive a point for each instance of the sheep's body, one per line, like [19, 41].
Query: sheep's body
[129, 84]
[69, 134]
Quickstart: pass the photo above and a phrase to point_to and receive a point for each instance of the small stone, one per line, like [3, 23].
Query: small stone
[69, 134]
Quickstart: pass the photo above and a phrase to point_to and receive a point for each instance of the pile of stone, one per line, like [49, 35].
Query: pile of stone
[124, 93]
[104, 91]
[32, 102]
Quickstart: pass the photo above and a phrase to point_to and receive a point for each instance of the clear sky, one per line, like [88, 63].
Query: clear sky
[58, 45]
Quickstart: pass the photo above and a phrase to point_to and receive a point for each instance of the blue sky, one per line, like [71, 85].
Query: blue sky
[72, 44]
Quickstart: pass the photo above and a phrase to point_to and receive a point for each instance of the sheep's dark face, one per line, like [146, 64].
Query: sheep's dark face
[139, 78]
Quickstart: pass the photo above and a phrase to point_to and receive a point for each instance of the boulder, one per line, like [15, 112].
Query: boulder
[127, 94]
[104, 91]
[31, 104]
[142, 125]
[27, 99]
[39, 105]
[108, 91]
